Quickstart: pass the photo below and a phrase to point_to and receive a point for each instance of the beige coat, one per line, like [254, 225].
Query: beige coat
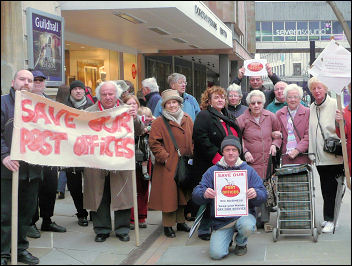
[165, 195]
[120, 181]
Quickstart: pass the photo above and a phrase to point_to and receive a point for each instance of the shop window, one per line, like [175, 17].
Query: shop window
[296, 69]
[160, 70]
[88, 72]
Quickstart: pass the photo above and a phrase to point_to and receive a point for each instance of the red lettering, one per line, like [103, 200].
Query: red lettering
[30, 112]
[108, 140]
[91, 143]
[40, 113]
[124, 119]
[97, 124]
[57, 137]
[35, 140]
[102, 146]
[80, 147]
[69, 119]
[121, 149]
[24, 139]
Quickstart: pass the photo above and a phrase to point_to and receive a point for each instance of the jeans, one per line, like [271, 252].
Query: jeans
[62, 182]
[221, 238]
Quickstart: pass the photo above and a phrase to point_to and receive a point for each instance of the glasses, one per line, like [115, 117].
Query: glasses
[257, 102]
[40, 80]
[182, 81]
[292, 97]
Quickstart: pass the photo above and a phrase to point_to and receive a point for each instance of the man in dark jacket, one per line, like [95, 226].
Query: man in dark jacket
[225, 227]
[77, 99]
[150, 90]
[29, 178]
[256, 83]
[47, 187]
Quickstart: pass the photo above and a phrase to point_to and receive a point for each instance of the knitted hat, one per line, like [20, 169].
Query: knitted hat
[76, 83]
[170, 94]
[231, 140]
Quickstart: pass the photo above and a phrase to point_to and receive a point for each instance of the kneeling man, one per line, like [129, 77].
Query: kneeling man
[224, 228]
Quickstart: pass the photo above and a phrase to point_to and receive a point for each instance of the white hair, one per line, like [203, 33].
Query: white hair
[293, 87]
[255, 93]
[174, 77]
[151, 84]
[118, 88]
[234, 87]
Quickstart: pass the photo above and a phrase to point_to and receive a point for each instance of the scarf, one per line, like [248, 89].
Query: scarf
[78, 104]
[176, 116]
[230, 121]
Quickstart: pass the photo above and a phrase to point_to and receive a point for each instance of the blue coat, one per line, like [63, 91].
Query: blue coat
[254, 181]
[190, 106]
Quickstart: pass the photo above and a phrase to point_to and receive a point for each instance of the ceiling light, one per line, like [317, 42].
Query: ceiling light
[83, 47]
[68, 44]
[128, 17]
[179, 40]
[159, 31]
[194, 46]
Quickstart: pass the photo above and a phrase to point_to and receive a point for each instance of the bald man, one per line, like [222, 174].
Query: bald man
[29, 178]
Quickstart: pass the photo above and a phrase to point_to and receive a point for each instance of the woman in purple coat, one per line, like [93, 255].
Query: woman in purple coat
[257, 126]
[294, 120]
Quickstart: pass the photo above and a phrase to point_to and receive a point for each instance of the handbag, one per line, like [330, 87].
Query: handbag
[183, 171]
[331, 144]
[269, 184]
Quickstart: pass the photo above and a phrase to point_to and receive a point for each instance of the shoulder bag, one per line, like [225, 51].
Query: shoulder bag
[331, 144]
[183, 171]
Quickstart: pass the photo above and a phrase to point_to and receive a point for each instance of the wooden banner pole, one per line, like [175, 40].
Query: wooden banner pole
[344, 146]
[14, 218]
[135, 207]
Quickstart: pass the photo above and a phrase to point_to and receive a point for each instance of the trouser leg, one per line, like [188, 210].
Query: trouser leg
[74, 184]
[47, 193]
[27, 202]
[61, 186]
[245, 226]
[219, 242]
[102, 217]
[169, 219]
[328, 184]
[122, 221]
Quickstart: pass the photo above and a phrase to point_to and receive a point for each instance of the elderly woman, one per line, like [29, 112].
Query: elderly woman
[294, 121]
[150, 90]
[329, 166]
[211, 126]
[190, 105]
[165, 195]
[234, 95]
[257, 126]
[105, 190]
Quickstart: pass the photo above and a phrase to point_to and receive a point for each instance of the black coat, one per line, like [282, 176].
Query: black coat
[208, 133]
[7, 118]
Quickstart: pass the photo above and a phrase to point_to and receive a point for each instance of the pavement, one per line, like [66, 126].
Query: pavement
[77, 245]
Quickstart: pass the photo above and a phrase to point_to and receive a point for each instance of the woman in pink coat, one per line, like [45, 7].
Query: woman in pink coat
[294, 120]
[257, 126]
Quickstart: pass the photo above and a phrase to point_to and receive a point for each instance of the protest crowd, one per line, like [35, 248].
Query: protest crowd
[255, 131]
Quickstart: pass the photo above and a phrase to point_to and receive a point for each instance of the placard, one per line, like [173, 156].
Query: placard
[255, 67]
[231, 193]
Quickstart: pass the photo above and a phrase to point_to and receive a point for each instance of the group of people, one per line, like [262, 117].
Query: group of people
[228, 130]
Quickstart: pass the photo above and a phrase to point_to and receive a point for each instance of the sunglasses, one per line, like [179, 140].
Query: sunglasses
[40, 79]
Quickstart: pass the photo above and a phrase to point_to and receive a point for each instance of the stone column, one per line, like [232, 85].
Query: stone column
[224, 70]
[12, 42]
